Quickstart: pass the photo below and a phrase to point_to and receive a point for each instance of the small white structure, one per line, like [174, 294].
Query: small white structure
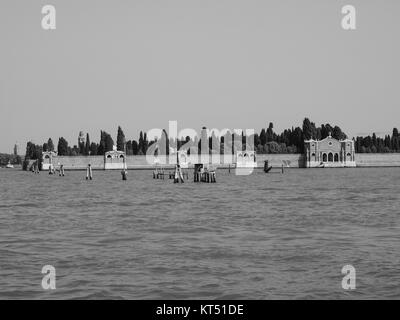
[47, 159]
[246, 159]
[245, 162]
[114, 159]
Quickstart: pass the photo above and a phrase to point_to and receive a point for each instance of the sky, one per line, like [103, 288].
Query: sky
[214, 63]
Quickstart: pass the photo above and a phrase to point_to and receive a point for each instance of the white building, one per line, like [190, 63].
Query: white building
[330, 152]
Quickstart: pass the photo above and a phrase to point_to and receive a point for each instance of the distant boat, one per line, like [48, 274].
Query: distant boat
[9, 165]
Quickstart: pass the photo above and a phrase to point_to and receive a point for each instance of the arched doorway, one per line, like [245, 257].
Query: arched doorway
[324, 158]
[336, 157]
[330, 157]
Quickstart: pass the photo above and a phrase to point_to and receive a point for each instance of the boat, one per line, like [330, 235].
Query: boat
[9, 165]
[267, 168]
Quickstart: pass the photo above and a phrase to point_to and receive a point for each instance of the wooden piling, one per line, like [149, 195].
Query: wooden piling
[178, 177]
[124, 174]
[89, 173]
[61, 172]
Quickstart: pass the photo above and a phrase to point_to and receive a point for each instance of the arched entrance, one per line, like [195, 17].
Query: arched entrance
[330, 157]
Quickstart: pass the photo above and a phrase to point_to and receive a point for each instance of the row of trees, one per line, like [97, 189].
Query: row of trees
[106, 143]
[374, 144]
[267, 141]
[292, 140]
[9, 158]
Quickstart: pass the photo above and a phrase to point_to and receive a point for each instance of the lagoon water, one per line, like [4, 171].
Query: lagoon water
[263, 236]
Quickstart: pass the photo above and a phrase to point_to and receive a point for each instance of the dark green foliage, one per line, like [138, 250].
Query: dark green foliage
[120, 140]
[62, 147]
[267, 141]
[106, 143]
[10, 158]
[94, 148]
[87, 145]
[143, 143]
[50, 145]
[135, 147]
[374, 144]
[33, 151]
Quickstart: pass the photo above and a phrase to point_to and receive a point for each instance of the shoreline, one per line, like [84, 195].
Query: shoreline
[139, 162]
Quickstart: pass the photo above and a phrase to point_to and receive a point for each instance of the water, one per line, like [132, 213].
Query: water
[245, 237]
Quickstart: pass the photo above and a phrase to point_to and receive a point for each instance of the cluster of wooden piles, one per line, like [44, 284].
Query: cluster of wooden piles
[202, 174]
[159, 173]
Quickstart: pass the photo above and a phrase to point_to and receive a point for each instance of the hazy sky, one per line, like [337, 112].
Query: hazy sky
[222, 64]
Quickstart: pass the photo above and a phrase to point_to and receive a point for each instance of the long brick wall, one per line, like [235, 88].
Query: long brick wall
[79, 162]
[275, 160]
[378, 159]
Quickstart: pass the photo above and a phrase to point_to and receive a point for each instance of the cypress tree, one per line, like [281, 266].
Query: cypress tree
[120, 139]
[87, 145]
[307, 129]
[62, 147]
[50, 145]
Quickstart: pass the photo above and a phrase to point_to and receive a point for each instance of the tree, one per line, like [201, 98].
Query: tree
[141, 141]
[263, 137]
[106, 143]
[33, 151]
[81, 143]
[109, 142]
[87, 145]
[145, 143]
[270, 132]
[62, 147]
[395, 140]
[129, 150]
[307, 129]
[120, 140]
[164, 142]
[50, 145]
[338, 134]
[374, 141]
[94, 148]
[135, 147]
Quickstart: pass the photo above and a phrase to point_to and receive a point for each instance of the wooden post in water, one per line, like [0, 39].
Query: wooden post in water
[124, 175]
[89, 173]
[61, 173]
[36, 167]
[213, 178]
[198, 172]
[178, 177]
[178, 174]
[124, 172]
